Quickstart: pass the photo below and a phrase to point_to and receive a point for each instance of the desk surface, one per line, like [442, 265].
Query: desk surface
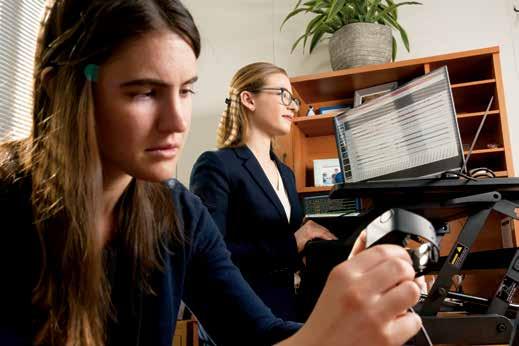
[427, 196]
[444, 188]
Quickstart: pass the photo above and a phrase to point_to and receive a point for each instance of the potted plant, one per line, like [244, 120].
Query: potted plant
[360, 31]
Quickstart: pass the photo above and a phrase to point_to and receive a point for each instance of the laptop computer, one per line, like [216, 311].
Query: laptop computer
[409, 132]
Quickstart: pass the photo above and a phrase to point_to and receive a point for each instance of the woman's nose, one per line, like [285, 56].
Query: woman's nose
[173, 117]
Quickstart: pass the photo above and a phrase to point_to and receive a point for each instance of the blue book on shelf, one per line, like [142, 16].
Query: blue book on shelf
[335, 108]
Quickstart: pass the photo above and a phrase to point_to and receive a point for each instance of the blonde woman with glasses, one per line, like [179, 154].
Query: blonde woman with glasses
[250, 193]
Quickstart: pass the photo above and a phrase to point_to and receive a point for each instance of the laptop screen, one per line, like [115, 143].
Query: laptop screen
[409, 132]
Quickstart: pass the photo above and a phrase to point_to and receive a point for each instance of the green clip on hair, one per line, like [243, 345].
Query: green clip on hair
[91, 72]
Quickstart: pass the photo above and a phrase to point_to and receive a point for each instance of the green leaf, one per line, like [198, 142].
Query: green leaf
[313, 26]
[337, 23]
[404, 37]
[297, 41]
[388, 11]
[395, 12]
[374, 4]
[314, 6]
[393, 43]
[309, 5]
[315, 39]
[314, 22]
[290, 15]
[318, 5]
[333, 4]
[409, 3]
[385, 12]
[403, 34]
[335, 8]
[358, 7]
[297, 4]
[347, 13]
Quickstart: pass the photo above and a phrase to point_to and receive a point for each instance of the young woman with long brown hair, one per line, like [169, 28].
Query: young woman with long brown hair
[100, 245]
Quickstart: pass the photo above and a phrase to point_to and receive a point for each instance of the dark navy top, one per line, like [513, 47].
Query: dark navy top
[250, 216]
[200, 273]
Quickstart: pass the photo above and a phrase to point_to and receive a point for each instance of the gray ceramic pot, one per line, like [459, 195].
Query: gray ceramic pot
[360, 44]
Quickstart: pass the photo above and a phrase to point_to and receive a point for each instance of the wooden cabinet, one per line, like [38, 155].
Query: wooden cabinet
[474, 75]
[186, 333]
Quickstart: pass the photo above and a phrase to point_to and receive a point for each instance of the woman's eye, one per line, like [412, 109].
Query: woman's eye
[142, 94]
[149, 93]
[187, 91]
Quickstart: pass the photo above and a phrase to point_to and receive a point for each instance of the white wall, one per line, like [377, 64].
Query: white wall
[238, 32]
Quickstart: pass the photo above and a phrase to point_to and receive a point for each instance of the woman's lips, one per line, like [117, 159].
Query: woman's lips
[164, 151]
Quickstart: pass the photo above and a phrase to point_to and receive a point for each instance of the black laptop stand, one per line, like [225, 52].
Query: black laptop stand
[440, 201]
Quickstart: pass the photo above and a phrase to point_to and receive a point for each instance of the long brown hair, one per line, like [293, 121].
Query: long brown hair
[234, 122]
[63, 161]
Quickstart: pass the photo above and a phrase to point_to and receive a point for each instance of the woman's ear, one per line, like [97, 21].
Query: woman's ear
[47, 80]
[247, 99]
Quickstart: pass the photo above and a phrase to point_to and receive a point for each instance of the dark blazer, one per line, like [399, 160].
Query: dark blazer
[248, 212]
[199, 272]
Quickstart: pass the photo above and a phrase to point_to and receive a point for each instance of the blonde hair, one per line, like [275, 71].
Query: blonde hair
[234, 123]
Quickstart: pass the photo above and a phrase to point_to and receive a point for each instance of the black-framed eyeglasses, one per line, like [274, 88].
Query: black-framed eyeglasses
[286, 96]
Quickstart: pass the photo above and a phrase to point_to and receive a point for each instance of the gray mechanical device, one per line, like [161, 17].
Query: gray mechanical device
[398, 226]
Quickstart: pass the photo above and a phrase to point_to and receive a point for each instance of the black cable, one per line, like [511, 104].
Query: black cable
[473, 174]
[452, 174]
[482, 172]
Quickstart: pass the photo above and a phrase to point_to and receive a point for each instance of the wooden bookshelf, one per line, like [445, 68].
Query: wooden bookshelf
[475, 77]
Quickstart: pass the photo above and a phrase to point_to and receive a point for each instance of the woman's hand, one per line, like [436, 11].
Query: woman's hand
[365, 302]
[360, 245]
[311, 230]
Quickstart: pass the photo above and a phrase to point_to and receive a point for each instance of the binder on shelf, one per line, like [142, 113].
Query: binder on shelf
[324, 206]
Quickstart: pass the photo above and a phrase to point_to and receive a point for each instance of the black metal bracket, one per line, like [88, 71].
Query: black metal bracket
[454, 262]
[468, 330]
[487, 197]
[492, 327]
[484, 321]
